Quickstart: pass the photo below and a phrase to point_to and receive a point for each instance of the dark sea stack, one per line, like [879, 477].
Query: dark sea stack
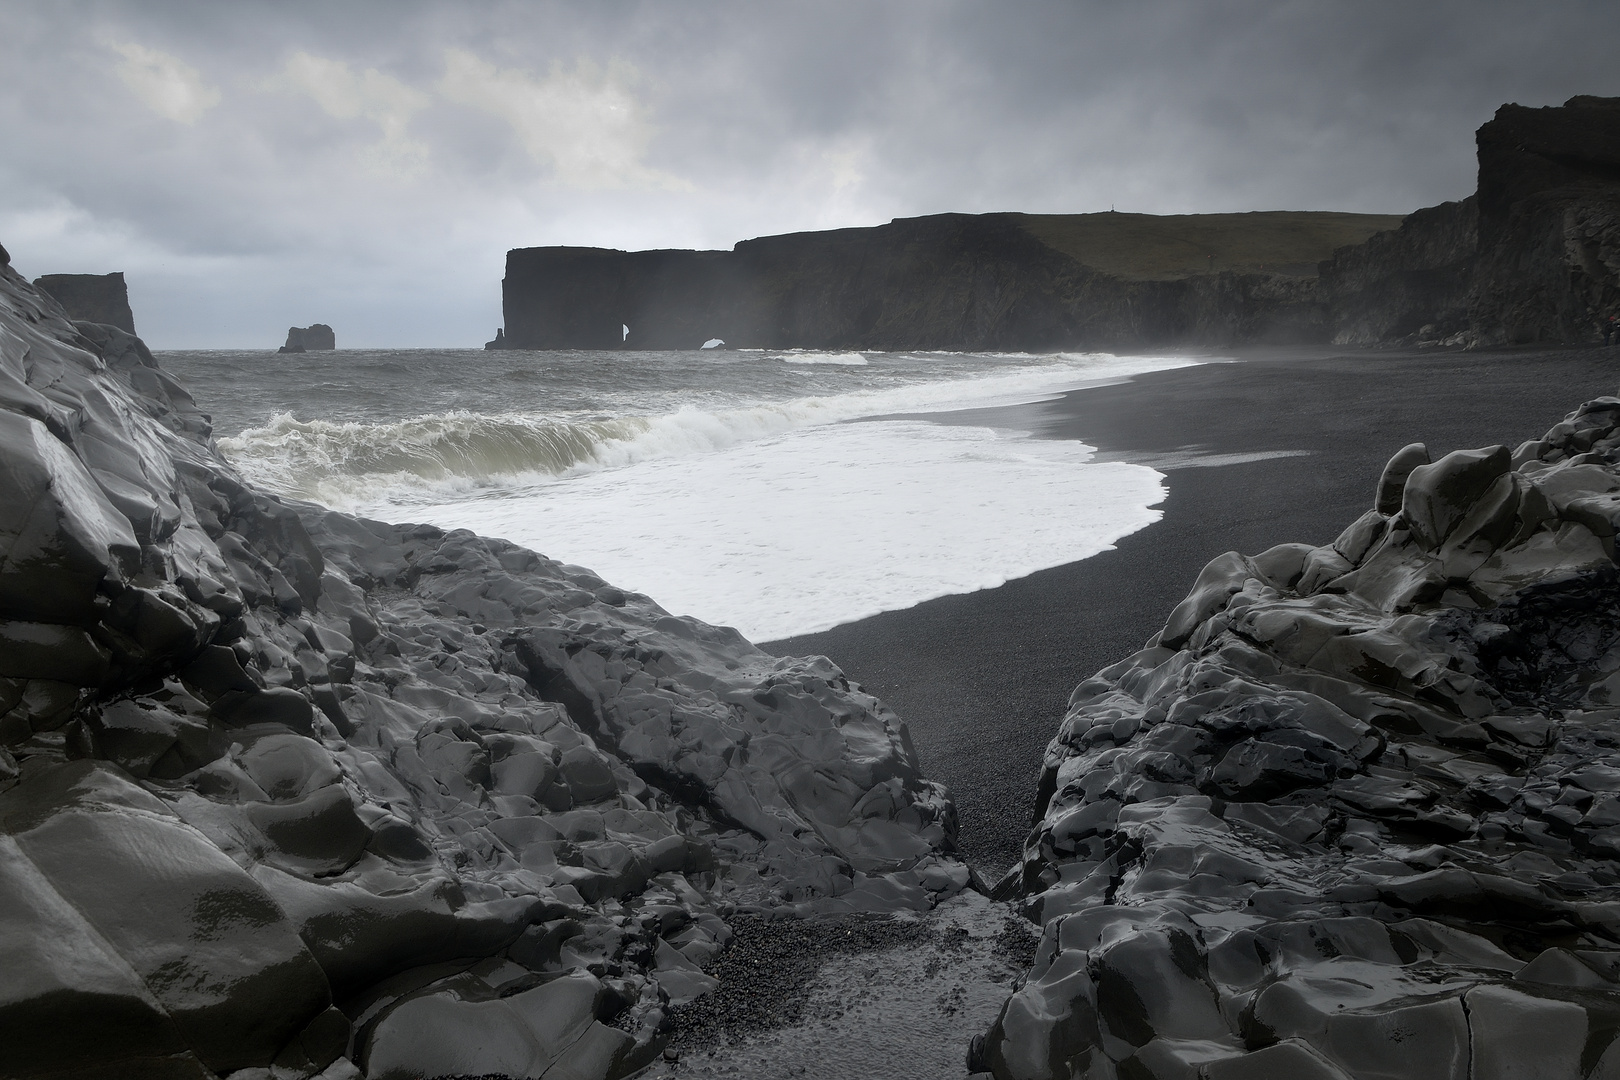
[316, 338]
[293, 792]
[498, 341]
[1549, 222]
[97, 298]
[950, 281]
[1355, 810]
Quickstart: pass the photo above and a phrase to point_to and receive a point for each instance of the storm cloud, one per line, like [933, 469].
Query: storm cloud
[253, 165]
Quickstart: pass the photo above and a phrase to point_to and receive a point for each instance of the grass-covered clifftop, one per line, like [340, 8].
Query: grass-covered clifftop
[1169, 247]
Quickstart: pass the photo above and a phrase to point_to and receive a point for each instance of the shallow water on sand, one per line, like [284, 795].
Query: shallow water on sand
[736, 486]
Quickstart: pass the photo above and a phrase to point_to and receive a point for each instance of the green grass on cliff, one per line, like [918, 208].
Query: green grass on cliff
[1147, 247]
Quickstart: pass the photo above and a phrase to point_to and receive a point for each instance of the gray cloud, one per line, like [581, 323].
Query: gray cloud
[250, 165]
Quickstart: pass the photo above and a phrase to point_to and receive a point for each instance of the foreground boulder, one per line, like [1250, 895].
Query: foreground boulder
[1355, 810]
[289, 793]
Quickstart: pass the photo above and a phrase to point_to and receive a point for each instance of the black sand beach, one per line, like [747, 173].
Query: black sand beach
[982, 679]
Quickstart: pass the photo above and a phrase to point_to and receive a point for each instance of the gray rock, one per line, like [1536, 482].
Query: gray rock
[1392, 484]
[1356, 812]
[130, 938]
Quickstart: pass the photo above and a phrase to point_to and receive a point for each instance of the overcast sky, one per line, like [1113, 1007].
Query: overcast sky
[367, 164]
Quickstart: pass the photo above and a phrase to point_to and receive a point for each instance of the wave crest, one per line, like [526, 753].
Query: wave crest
[461, 453]
[427, 456]
[846, 359]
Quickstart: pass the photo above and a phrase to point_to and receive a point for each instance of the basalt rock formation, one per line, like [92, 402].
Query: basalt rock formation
[316, 338]
[287, 793]
[97, 298]
[1355, 810]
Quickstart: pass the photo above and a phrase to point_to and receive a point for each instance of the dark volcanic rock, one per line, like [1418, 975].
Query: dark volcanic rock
[314, 338]
[282, 789]
[1355, 810]
[97, 298]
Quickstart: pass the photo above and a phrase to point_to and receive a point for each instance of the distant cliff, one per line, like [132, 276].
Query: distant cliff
[1549, 222]
[97, 298]
[950, 281]
[1408, 282]
[1534, 256]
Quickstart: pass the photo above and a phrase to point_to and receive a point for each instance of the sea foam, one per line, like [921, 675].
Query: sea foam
[816, 527]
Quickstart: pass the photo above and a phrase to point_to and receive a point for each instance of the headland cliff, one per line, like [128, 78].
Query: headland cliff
[1534, 256]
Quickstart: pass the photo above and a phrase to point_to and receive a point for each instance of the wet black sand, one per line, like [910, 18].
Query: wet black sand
[982, 679]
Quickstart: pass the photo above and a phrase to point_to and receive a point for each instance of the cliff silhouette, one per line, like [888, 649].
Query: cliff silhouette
[1533, 257]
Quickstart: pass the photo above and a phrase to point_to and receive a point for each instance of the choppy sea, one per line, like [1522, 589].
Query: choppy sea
[780, 492]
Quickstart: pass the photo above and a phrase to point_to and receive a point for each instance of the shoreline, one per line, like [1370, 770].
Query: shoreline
[982, 679]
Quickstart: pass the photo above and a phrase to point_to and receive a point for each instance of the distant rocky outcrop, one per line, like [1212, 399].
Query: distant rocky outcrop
[498, 341]
[97, 298]
[292, 792]
[314, 338]
[1355, 810]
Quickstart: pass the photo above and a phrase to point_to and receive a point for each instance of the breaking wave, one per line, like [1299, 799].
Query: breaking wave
[463, 453]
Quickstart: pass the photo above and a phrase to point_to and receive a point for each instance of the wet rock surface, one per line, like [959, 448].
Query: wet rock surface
[1353, 811]
[286, 793]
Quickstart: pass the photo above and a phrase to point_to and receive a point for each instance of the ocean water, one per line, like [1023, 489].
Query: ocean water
[780, 492]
